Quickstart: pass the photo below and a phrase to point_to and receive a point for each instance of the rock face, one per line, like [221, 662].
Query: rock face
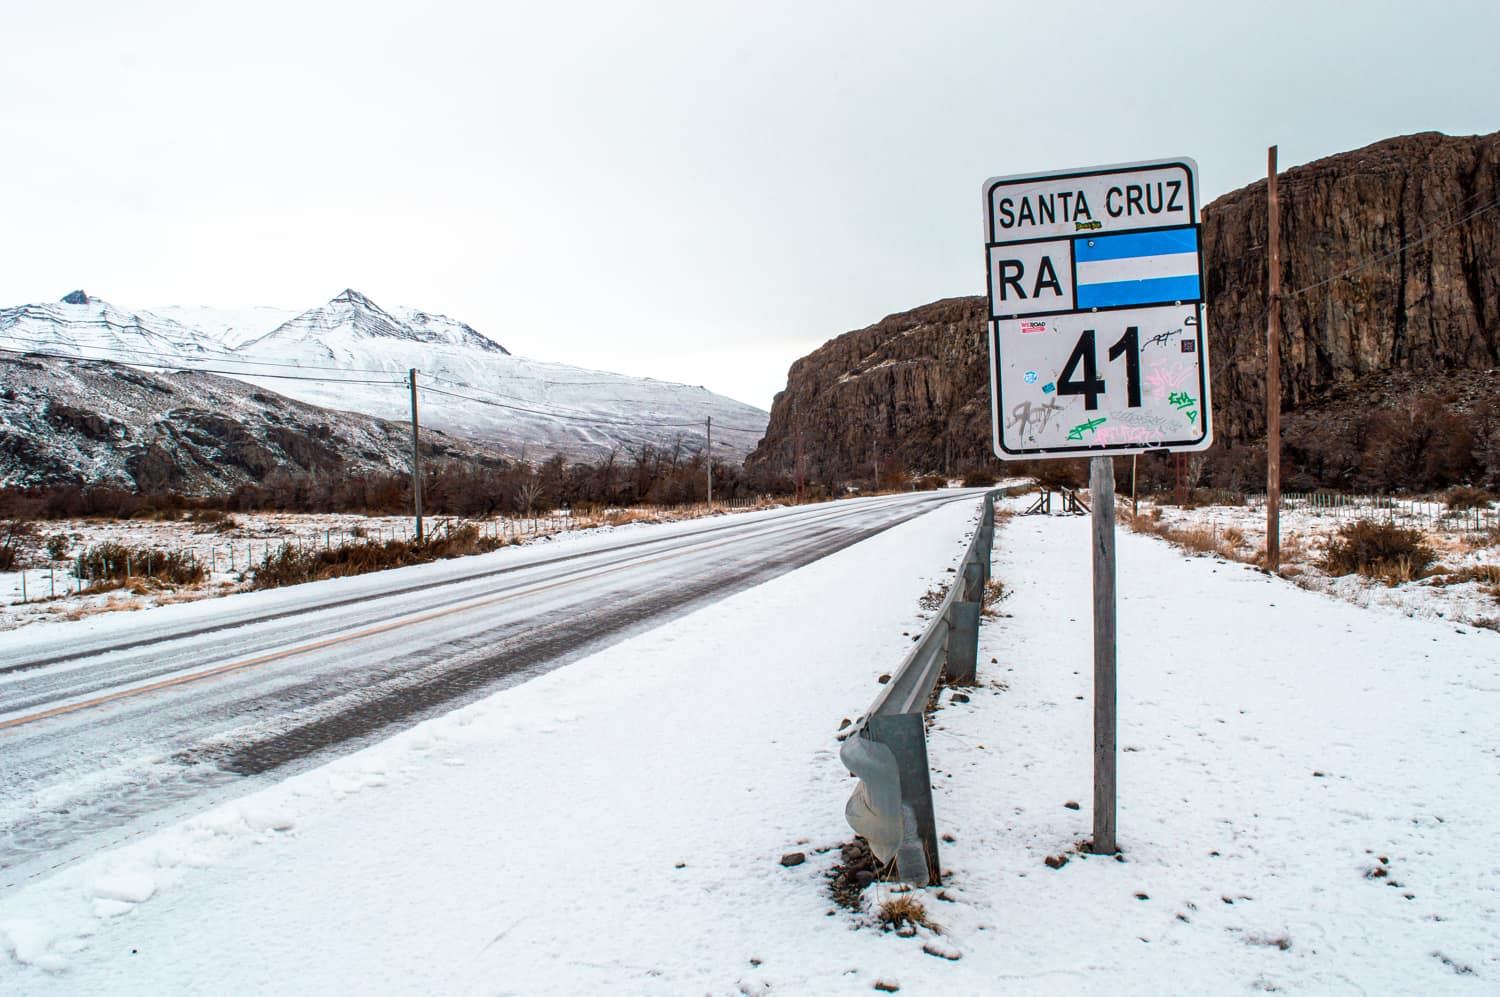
[1428, 308]
[1416, 219]
[911, 389]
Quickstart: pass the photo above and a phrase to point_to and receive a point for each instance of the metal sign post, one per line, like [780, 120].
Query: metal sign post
[1097, 349]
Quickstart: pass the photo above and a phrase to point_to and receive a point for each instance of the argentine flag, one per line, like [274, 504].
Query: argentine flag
[1138, 268]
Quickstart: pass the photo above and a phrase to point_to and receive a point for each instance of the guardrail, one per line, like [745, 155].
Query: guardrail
[891, 808]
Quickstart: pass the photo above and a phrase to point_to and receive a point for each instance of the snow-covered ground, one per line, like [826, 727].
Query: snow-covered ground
[1307, 804]
[1307, 530]
[47, 589]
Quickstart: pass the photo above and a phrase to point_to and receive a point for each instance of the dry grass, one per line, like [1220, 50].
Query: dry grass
[1228, 543]
[932, 599]
[994, 593]
[1485, 574]
[905, 911]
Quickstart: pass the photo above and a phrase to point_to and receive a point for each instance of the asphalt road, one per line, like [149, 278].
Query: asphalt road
[115, 726]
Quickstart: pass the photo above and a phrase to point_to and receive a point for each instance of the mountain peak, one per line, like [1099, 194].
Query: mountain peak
[353, 297]
[75, 298]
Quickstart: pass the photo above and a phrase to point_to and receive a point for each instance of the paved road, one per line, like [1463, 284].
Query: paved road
[114, 727]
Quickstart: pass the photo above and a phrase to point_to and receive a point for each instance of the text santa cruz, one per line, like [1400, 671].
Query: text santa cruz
[1130, 200]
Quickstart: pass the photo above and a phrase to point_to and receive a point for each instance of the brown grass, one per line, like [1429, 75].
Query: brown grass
[994, 593]
[905, 910]
[1485, 574]
[1198, 539]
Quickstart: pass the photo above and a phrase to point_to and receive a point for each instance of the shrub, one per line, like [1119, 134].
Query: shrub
[1055, 474]
[116, 562]
[929, 483]
[979, 479]
[1379, 550]
[57, 546]
[13, 534]
[293, 565]
[1467, 497]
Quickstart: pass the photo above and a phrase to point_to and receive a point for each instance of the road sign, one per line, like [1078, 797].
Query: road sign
[1096, 311]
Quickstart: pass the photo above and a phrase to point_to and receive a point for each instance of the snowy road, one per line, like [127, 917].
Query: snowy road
[118, 725]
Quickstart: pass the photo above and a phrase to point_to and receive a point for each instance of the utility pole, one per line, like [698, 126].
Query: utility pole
[1273, 371]
[710, 449]
[416, 456]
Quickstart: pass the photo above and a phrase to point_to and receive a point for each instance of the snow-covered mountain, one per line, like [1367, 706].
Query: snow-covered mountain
[69, 421]
[352, 354]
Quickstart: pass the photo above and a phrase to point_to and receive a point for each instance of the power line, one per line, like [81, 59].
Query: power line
[131, 357]
[1371, 261]
[218, 355]
[186, 369]
[565, 414]
[1382, 257]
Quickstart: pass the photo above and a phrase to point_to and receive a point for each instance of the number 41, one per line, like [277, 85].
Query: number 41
[1092, 385]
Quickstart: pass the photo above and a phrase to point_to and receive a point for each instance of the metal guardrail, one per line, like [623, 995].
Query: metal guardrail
[891, 808]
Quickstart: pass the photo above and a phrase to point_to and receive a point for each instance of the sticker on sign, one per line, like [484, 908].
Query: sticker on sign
[1107, 262]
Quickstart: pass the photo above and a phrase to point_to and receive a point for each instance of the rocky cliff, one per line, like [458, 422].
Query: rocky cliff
[1391, 264]
[911, 390]
[1411, 221]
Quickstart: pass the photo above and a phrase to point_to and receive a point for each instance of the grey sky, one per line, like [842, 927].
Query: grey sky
[694, 191]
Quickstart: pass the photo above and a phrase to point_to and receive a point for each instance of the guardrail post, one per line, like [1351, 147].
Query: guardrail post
[905, 734]
[892, 806]
[962, 655]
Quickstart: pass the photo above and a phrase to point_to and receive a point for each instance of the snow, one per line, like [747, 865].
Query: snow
[42, 589]
[350, 339]
[231, 327]
[1307, 800]
[1461, 540]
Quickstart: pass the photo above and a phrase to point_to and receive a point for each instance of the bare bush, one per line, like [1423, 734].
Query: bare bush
[1379, 550]
[1467, 497]
[14, 533]
[292, 566]
[116, 562]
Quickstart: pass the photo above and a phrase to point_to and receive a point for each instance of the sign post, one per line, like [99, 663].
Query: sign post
[1097, 349]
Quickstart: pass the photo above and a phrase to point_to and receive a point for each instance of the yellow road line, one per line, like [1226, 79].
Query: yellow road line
[265, 659]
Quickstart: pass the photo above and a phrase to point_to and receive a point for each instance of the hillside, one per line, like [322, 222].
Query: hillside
[351, 354]
[87, 423]
[1400, 353]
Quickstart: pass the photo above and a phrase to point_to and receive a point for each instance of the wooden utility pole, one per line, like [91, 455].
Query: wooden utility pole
[1273, 370]
[709, 449]
[1102, 494]
[416, 456]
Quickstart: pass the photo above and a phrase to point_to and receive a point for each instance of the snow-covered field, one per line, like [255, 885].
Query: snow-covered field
[47, 589]
[1307, 804]
[1240, 531]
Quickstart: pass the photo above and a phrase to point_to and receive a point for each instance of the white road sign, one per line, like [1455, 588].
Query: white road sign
[1096, 311]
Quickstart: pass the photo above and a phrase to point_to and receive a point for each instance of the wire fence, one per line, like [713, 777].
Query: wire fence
[230, 559]
[1420, 513]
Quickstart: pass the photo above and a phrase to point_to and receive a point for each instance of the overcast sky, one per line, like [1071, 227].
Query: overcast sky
[695, 191]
